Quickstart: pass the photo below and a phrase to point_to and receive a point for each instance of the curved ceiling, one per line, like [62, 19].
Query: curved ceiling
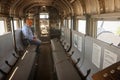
[64, 7]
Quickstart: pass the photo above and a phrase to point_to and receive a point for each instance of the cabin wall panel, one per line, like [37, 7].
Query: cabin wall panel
[95, 8]
[88, 6]
[97, 52]
[77, 7]
[117, 5]
[78, 46]
[92, 7]
[109, 6]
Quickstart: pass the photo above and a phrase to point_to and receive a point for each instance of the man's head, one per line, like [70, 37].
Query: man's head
[29, 22]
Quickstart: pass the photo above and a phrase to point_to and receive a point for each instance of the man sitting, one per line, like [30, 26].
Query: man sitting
[27, 32]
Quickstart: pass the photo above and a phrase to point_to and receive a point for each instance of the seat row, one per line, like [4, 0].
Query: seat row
[64, 68]
[15, 63]
[89, 55]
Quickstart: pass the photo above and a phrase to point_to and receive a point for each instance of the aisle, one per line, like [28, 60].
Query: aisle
[44, 70]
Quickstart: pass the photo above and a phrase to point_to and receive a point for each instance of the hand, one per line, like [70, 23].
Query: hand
[34, 37]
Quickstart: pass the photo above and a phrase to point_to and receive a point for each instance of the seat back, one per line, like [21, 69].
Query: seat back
[8, 56]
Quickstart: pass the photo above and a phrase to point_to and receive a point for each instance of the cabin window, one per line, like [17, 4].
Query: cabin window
[2, 27]
[69, 24]
[44, 15]
[64, 22]
[16, 24]
[22, 23]
[82, 26]
[62, 31]
[44, 24]
[109, 31]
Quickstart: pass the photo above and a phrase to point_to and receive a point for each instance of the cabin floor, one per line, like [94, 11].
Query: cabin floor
[44, 69]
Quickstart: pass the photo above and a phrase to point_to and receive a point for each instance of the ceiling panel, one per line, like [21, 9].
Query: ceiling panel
[67, 7]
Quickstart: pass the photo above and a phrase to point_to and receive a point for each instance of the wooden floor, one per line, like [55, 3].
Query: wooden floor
[44, 66]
